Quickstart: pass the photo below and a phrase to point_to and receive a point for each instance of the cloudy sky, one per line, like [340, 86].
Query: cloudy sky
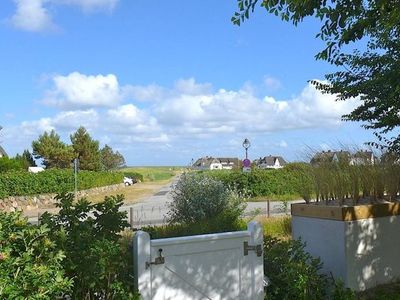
[165, 81]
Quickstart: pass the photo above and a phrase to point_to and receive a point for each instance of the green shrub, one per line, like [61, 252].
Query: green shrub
[96, 260]
[135, 175]
[197, 198]
[11, 164]
[221, 224]
[277, 226]
[53, 181]
[263, 182]
[294, 274]
[30, 262]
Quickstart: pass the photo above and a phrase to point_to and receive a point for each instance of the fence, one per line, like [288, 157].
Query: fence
[211, 266]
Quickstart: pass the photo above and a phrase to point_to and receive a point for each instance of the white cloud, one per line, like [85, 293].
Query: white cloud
[90, 5]
[79, 90]
[241, 111]
[152, 92]
[64, 121]
[272, 83]
[31, 15]
[179, 115]
[191, 87]
[283, 144]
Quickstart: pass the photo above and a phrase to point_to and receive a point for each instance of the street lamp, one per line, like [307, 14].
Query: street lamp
[246, 145]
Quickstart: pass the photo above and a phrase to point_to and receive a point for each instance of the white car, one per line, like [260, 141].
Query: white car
[128, 181]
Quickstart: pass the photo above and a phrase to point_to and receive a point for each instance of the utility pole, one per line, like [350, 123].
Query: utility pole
[76, 163]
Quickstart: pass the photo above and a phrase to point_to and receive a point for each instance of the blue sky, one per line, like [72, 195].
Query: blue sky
[165, 81]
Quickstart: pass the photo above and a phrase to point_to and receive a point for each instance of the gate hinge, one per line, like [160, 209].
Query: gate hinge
[157, 261]
[256, 248]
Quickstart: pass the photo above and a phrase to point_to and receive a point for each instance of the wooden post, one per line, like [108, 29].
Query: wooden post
[141, 272]
[131, 216]
[38, 217]
[257, 265]
[268, 208]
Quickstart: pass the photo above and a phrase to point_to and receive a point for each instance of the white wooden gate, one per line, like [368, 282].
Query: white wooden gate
[212, 266]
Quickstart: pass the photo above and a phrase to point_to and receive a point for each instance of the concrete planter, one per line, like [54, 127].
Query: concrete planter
[360, 244]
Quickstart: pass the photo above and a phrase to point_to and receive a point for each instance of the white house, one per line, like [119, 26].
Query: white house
[270, 162]
[216, 163]
[363, 158]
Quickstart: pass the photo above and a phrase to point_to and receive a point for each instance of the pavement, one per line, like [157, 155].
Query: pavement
[152, 210]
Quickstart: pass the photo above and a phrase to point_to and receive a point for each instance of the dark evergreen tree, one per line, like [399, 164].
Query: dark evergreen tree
[53, 152]
[111, 160]
[86, 150]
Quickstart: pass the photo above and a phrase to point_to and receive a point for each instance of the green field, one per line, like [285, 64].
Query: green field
[155, 173]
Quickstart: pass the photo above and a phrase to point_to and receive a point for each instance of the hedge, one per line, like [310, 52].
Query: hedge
[135, 175]
[18, 183]
[266, 182]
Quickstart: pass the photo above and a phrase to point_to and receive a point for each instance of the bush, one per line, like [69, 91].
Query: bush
[135, 175]
[295, 274]
[197, 198]
[264, 182]
[277, 226]
[221, 224]
[53, 181]
[30, 262]
[99, 264]
[11, 164]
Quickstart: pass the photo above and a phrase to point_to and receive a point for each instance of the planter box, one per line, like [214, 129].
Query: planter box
[360, 244]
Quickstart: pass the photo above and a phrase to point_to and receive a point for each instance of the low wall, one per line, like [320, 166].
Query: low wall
[27, 203]
[363, 253]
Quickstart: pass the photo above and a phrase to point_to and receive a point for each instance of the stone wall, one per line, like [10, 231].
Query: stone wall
[27, 203]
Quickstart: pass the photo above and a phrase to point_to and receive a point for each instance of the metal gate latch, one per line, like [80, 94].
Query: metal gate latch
[157, 261]
[247, 248]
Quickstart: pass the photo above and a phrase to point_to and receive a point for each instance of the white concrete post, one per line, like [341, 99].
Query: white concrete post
[257, 266]
[141, 255]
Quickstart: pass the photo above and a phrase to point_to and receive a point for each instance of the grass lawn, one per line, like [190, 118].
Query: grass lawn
[288, 197]
[279, 227]
[155, 173]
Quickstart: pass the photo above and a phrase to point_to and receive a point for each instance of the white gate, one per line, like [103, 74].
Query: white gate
[211, 266]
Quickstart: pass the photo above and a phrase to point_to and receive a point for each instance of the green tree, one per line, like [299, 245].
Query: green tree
[53, 152]
[370, 74]
[111, 160]
[86, 149]
[29, 158]
[26, 159]
[10, 164]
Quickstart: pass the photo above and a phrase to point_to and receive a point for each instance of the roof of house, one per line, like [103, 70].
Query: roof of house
[363, 154]
[228, 160]
[208, 160]
[271, 160]
[3, 152]
[328, 156]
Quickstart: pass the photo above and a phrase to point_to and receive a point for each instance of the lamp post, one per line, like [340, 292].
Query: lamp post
[246, 145]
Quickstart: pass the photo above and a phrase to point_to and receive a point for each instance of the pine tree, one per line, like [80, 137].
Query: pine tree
[86, 150]
[111, 160]
[53, 152]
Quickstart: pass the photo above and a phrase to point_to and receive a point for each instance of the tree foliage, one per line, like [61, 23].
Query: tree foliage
[30, 263]
[111, 160]
[10, 164]
[53, 152]
[86, 150]
[197, 198]
[89, 235]
[369, 73]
